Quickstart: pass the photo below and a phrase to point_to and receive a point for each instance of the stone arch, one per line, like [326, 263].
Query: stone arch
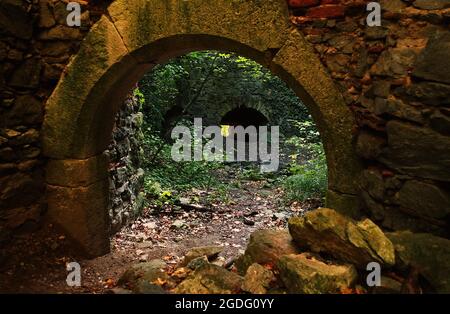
[129, 40]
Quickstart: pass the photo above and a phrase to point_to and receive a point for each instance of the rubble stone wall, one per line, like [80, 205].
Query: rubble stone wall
[395, 78]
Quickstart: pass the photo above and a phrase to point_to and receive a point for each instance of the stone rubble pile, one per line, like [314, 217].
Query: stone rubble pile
[322, 252]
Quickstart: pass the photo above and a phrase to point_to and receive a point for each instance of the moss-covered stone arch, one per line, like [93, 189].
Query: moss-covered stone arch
[134, 36]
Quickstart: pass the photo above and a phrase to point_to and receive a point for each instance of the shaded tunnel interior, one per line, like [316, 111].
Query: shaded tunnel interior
[244, 116]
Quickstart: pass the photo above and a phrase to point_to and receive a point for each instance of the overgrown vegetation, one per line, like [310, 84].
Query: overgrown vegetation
[173, 93]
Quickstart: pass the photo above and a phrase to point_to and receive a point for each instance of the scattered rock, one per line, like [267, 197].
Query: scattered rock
[304, 273]
[358, 243]
[211, 252]
[429, 254]
[388, 286]
[257, 279]
[210, 279]
[266, 247]
[279, 216]
[118, 290]
[248, 222]
[139, 277]
[145, 287]
[178, 224]
[197, 262]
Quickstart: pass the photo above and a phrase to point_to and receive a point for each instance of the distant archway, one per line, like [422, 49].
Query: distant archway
[133, 37]
[244, 116]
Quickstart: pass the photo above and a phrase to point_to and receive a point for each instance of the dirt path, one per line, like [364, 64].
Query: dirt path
[167, 234]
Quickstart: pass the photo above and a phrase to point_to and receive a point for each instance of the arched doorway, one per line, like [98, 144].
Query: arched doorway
[244, 116]
[130, 40]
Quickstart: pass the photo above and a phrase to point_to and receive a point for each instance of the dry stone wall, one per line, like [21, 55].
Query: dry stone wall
[395, 78]
[126, 177]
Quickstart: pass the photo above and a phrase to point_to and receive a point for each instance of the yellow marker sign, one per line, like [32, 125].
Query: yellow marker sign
[225, 130]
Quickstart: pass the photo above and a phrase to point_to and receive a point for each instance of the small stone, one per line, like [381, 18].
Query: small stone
[150, 225]
[178, 224]
[197, 262]
[211, 252]
[118, 290]
[279, 216]
[248, 222]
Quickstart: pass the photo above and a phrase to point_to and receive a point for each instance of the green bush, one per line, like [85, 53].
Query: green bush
[309, 180]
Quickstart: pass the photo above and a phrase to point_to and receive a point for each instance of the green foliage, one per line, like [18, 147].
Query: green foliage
[209, 79]
[308, 180]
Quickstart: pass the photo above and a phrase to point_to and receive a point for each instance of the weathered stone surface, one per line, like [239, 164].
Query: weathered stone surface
[424, 199]
[395, 62]
[434, 62]
[388, 286]
[257, 279]
[429, 254]
[46, 18]
[61, 32]
[125, 173]
[140, 277]
[440, 121]
[305, 274]
[368, 145]
[432, 4]
[81, 212]
[210, 252]
[197, 262]
[26, 110]
[76, 173]
[84, 137]
[373, 183]
[27, 75]
[426, 158]
[358, 243]
[210, 279]
[142, 22]
[266, 247]
[14, 19]
[326, 106]
[430, 93]
[397, 108]
[345, 204]
[393, 6]
[20, 189]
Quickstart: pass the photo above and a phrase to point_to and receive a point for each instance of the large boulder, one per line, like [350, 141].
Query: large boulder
[355, 242]
[429, 254]
[266, 247]
[305, 274]
[210, 279]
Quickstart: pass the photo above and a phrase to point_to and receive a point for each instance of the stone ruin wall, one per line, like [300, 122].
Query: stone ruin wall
[395, 79]
[126, 177]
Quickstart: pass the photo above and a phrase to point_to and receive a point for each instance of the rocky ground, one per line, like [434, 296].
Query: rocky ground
[247, 242]
[167, 234]
[320, 252]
